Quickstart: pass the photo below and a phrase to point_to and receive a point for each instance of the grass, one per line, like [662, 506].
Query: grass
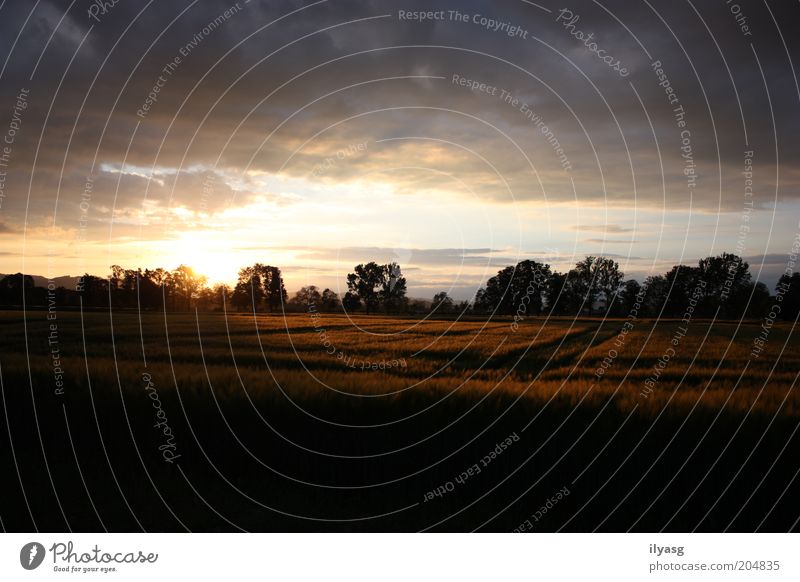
[278, 427]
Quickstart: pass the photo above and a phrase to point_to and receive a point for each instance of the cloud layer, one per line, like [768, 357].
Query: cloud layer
[180, 114]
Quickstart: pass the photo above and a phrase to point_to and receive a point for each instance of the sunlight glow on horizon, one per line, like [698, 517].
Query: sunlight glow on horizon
[301, 226]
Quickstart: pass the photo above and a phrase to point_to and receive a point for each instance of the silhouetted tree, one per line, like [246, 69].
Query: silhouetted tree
[569, 293]
[442, 303]
[480, 303]
[529, 287]
[14, 287]
[595, 281]
[306, 297]
[724, 275]
[378, 286]
[187, 284]
[351, 301]
[747, 301]
[274, 290]
[627, 299]
[330, 301]
[365, 282]
[498, 295]
[393, 290]
[248, 294]
[655, 294]
[152, 289]
[158, 276]
[258, 286]
[130, 286]
[206, 299]
[93, 291]
[681, 283]
[124, 287]
[116, 292]
[222, 294]
[558, 294]
[788, 288]
[522, 289]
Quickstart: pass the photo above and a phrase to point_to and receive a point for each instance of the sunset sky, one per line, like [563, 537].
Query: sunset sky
[317, 135]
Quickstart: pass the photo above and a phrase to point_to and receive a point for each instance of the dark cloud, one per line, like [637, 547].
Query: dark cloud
[281, 87]
[402, 255]
[771, 259]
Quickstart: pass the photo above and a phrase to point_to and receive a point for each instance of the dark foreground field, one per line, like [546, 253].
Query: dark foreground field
[185, 422]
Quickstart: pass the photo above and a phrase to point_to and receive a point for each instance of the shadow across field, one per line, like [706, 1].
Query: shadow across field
[269, 442]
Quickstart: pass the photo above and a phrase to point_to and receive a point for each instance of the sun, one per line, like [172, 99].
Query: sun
[220, 254]
[207, 255]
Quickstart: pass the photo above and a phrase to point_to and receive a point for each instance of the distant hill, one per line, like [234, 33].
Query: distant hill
[66, 281]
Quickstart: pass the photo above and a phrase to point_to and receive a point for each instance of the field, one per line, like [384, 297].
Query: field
[324, 422]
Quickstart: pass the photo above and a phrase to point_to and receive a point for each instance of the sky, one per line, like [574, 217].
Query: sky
[318, 135]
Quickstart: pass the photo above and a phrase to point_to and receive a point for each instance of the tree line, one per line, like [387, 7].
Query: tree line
[597, 286]
[259, 287]
[594, 286]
